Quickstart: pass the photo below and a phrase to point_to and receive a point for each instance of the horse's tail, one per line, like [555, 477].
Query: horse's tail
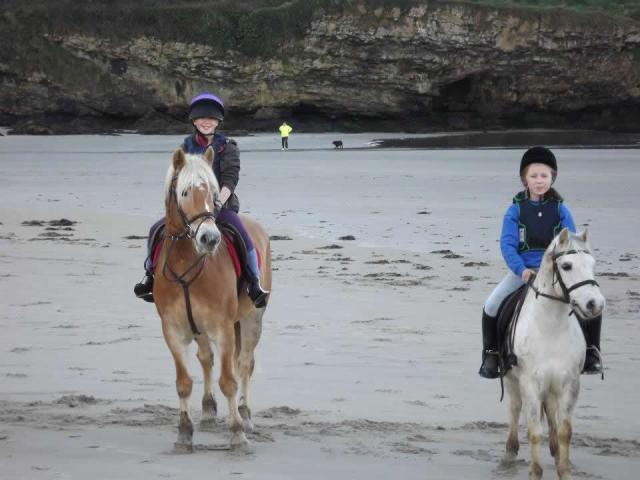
[238, 335]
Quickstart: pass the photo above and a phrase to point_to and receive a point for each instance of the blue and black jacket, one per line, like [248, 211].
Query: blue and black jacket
[529, 227]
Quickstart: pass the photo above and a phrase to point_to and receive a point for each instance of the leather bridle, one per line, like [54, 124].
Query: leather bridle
[557, 278]
[188, 276]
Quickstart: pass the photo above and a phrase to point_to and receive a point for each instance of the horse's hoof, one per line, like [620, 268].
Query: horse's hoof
[239, 442]
[247, 425]
[245, 413]
[208, 424]
[509, 458]
[535, 472]
[182, 448]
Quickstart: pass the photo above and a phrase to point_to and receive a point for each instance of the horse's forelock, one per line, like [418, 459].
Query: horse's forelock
[194, 172]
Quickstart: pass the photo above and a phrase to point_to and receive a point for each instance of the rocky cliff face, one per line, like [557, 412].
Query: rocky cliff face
[431, 66]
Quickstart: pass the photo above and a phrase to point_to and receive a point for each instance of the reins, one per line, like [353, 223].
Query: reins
[557, 278]
[187, 234]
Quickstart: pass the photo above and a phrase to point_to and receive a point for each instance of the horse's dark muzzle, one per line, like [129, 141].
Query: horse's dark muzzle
[210, 240]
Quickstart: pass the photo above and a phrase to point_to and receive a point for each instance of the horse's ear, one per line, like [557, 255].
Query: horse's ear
[178, 159]
[208, 155]
[583, 236]
[563, 238]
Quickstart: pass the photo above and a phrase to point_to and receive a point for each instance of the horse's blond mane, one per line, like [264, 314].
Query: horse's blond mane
[194, 172]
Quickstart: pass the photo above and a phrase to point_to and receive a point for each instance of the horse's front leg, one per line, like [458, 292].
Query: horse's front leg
[515, 407]
[229, 386]
[566, 404]
[534, 426]
[184, 385]
[209, 405]
[550, 407]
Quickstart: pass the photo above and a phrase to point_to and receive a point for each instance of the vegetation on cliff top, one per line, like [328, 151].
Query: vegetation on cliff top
[256, 28]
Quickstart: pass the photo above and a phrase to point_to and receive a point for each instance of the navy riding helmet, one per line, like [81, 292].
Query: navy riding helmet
[206, 105]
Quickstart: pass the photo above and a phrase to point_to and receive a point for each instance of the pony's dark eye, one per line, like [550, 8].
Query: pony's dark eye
[185, 193]
[566, 267]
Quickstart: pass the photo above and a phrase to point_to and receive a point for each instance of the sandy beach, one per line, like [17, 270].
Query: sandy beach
[367, 367]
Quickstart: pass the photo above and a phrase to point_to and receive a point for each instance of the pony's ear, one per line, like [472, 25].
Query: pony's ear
[208, 155]
[563, 238]
[178, 159]
[583, 236]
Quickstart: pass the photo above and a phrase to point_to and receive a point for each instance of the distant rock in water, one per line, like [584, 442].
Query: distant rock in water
[516, 139]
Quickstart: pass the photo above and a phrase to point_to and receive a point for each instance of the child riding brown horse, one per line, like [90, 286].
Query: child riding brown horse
[195, 292]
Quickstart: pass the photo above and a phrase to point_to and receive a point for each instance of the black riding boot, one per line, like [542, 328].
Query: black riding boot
[490, 367]
[257, 295]
[144, 288]
[591, 330]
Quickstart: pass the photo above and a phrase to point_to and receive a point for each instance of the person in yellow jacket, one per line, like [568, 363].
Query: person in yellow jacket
[285, 130]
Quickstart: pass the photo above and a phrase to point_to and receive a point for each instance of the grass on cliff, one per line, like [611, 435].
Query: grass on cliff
[255, 28]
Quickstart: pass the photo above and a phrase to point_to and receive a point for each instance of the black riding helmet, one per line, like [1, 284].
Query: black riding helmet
[206, 105]
[538, 155]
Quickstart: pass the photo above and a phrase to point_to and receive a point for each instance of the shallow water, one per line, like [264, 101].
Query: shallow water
[407, 191]
[517, 139]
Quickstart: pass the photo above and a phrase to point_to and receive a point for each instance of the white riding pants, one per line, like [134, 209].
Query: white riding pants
[509, 284]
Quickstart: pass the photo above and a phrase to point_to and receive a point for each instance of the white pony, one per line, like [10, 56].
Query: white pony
[550, 349]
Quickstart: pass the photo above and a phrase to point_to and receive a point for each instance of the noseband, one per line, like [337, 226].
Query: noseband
[557, 278]
[194, 270]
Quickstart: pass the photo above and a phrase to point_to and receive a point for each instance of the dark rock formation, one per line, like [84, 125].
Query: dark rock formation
[419, 67]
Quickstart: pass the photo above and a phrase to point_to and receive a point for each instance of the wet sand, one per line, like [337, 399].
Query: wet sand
[367, 365]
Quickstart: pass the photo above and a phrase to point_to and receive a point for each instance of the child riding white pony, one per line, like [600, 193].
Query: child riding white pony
[536, 216]
[550, 349]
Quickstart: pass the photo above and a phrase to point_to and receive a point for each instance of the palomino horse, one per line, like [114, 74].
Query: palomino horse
[550, 349]
[197, 298]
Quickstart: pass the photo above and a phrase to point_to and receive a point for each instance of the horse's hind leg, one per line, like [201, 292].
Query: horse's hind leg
[209, 405]
[228, 384]
[184, 385]
[515, 407]
[248, 331]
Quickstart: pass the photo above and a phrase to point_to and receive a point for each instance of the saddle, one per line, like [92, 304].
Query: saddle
[507, 320]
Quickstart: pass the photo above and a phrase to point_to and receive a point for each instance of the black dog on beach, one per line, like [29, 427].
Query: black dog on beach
[337, 143]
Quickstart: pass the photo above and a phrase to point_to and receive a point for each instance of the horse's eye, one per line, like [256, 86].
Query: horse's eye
[566, 267]
[185, 193]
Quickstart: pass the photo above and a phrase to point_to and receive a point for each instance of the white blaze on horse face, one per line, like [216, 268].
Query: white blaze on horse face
[207, 236]
[586, 299]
